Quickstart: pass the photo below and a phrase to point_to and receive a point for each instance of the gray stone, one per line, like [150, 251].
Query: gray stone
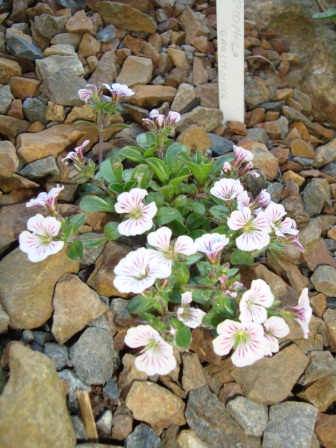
[329, 318]
[143, 436]
[111, 391]
[4, 321]
[106, 70]
[40, 169]
[185, 99]
[48, 26]
[35, 110]
[315, 195]
[211, 421]
[67, 39]
[73, 384]
[78, 427]
[321, 364]
[5, 98]
[121, 315]
[252, 417]
[275, 189]
[136, 70]
[256, 92]
[33, 392]
[205, 117]
[295, 115]
[73, 5]
[220, 145]
[92, 356]
[274, 106]
[194, 25]
[21, 47]
[106, 34]
[258, 134]
[193, 377]
[291, 425]
[104, 423]
[304, 161]
[330, 169]
[324, 280]
[62, 88]
[55, 63]
[59, 354]
[325, 154]
[60, 50]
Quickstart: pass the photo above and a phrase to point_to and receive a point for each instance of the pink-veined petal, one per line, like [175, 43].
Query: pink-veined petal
[277, 326]
[160, 239]
[184, 245]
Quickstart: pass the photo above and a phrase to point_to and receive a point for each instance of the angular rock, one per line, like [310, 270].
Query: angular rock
[290, 424]
[106, 70]
[52, 64]
[136, 70]
[5, 99]
[80, 23]
[329, 318]
[321, 394]
[4, 321]
[11, 127]
[104, 423]
[256, 92]
[23, 88]
[26, 288]
[22, 46]
[9, 159]
[59, 354]
[124, 16]
[75, 306]
[211, 421]
[325, 154]
[35, 110]
[72, 384]
[142, 436]
[89, 46]
[152, 96]
[188, 439]
[162, 408]
[62, 88]
[196, 138]
[270, 380]
[326, 430]
[40, 169]
[92, 356]
[193, 377]
[48, 26]
[32, 392]
[315, 195]
[251, 417]
[193, 24]
[8, 68]
[205, 117]
[52, 141]
[122, 423]
[321, 364]
[129, 374]
[324, 280]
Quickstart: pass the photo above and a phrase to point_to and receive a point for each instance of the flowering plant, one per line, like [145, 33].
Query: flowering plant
[201, 225]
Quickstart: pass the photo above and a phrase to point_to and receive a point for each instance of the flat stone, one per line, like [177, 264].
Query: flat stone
[75, 305]
[205, 117]
[11, 127]
[62, 87]
[92, 356]
[152, 96]
[300, 148]
[211, 421]
[122, 423]
[290, 424]
[324, 280]
[251, 417]
[277, 129]
[41, 168]
[325, 154]
[106, 70]
[79, 23]
[59, 354]
[329, 318]
[142, 436]
[52, 141]
[89, 46]
[33, 390]
[8, 68]
[194, 25]
[270, 380]
[23, 88]
[318, 255]
[124, 16]
[256, 93]
[35, 110]
[136, 70]
[21, 45]
[26, 289]
[321, 394]
[72, 39]
[162, 408]
[326, 429]
[193, 377]
[207, 95]
[315, 195]
[48, 26]
[59, 49]
[321, 364]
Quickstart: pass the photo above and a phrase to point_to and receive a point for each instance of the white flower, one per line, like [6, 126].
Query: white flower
[119, 91]
[254, 302]
[40, 243]
[157, 356]
[191, 317]
[227, 189]
[255, 229]
[247, 340]
[275, 327]
[164, 251]
[241, 155]
[303, 312]
[211, 244]
[140, 216]
[136, 272]
[91, 92]
[46, 200]
[78, 154]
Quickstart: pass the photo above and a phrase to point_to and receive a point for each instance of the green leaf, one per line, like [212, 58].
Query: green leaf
[195, 221]
[173, 164]
[183, 333]
[219, 162]
[75, 250]
[181, 273]
[129, 185]
[214, 317]
[155, 196]
[85, 123]
[96, 204]
[197, 233]
[139, 305]
[111, 231]
[146, 139]
[192, 259]
[222, 230]
[149, 152]
[92, 242]
[165, 215]
[167, 191]
[77, 221]
[160, 169]
[241, 257]
[196, 207]
[181, 200]
[204, 268]
[142, 174]
[132, 153]
[112, 170]
[201, 172]
[178, 228]
[220, 212]
[329, 14]
[176, 181]
[116, 188]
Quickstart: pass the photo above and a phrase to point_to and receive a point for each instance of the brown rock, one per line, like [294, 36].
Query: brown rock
[236, 128]
[321, 394]
[319, 304]
[207, 94]
[329, 318]
[23, 88]
[8, 68]
[255, 116]
[79, 23]
[178, 57]
[195, 138]
[193, 25]
[33, 391]
[300, 148]
[162, 408]
[16, 182]
[318, 255]
[302, 130]
[296, 178]
[201, 344]
[270, 380]
[122, 423]
[75, 306]
[9, 160]
[283, 94]
[11, 127]
[136, 70]
[290, 272]
[26, 288]
[55, 112]
[200, 74]
[281, 153]
[89, 46]
[15, 109]
[263, 158]
[326, 430]
[52, 141]
[152, 96]
[272, 115]
[101, 279]
[106, 70]
[124, 16]
[193, 377]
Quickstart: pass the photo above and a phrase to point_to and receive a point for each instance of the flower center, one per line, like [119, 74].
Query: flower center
[136, 213]
[240, 338]
[45, 239]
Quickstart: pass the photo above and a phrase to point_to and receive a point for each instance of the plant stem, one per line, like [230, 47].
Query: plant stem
[100, 146]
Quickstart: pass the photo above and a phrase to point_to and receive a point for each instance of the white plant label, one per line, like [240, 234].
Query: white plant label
[230, 48]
